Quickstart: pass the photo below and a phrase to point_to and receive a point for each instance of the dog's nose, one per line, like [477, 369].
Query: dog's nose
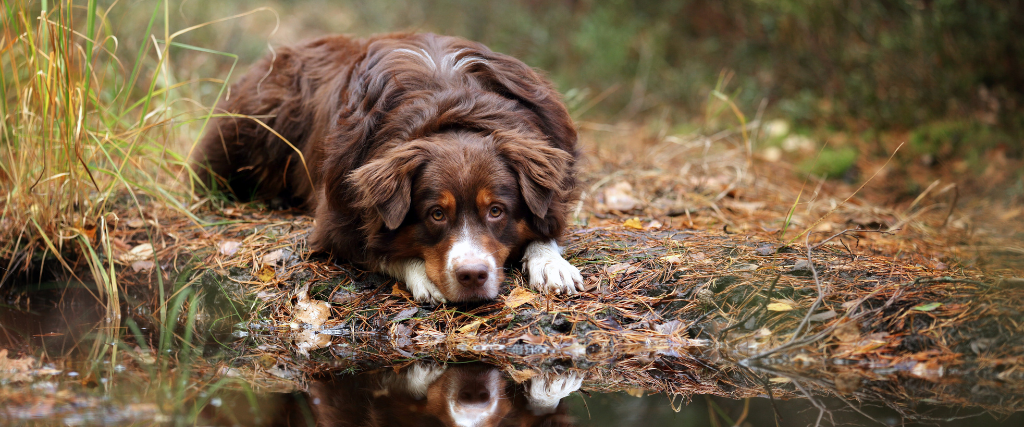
[471, 275]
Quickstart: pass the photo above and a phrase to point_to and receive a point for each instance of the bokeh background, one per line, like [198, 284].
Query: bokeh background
[944, 77]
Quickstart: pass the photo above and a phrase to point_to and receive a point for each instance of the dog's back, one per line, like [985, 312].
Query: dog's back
[259, 143]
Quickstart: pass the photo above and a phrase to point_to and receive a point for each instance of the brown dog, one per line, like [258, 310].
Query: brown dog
[428, 157]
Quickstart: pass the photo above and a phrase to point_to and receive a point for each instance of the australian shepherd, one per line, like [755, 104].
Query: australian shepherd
[427, 157]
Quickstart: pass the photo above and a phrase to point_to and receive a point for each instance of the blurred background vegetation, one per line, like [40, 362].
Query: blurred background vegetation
[855, 64]
[943, 76]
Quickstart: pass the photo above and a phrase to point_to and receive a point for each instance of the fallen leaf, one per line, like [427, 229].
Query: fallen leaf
[927, 307]
[616, 268]
[138, 253]
[471, 328]
[673, 259]
[654, 224]
[228, 247]
[311, 311]
[530, 338]
[779, 306]
[405, 314]
[275, 256]
[518, 297]
[397, 291]
[822, 316]
[744, 267]
[136, 223]
[138, 266]
[266, 274]
[633, 223]
[619, 197]
[780, 380]
[671, 327]
[520, 376]
[848, 332]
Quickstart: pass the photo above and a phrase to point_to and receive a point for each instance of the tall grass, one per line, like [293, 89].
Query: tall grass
[86, 135]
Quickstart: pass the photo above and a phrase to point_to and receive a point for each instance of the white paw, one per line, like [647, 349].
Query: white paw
[547, 391]
[414, 273]
[423, 290]
[549, 272]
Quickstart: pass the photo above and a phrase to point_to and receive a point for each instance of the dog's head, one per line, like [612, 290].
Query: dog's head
[463, 202]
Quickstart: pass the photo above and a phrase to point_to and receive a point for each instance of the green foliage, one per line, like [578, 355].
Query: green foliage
[831, 163]
[944, 140]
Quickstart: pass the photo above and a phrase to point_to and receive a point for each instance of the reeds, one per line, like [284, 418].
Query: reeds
[90, 126]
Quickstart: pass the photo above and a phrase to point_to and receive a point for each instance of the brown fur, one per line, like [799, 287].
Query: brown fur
[379, 128]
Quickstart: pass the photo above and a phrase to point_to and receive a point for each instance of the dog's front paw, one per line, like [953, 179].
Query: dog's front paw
[547, 391]
[414, 273]
[423, 290]
[549, 272]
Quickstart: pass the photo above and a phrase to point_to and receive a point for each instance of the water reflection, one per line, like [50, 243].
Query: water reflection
[424, 394]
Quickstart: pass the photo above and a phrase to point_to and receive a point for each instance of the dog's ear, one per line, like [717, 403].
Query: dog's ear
[543, 171]
[385, 184]
[513, 79]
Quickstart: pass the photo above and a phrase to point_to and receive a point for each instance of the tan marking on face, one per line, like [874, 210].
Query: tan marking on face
[447, 202]
[484, 199]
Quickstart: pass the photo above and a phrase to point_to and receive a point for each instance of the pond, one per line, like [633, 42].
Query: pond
[64, 363]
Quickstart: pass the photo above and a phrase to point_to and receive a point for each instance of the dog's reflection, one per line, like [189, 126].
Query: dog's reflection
[461, 395]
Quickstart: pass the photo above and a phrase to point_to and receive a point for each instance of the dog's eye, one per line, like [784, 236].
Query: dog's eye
[496, 211]
[437, 215]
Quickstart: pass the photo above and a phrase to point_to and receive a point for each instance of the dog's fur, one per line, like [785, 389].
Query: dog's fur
[428, 157]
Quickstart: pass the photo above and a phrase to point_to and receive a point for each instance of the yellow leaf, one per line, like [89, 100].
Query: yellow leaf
[633, 223]
[471, 328]
[673, 259]
[779, 306]
[635, 392]
[399, 292]
[520, 376]
[266, 274]
[518, 297]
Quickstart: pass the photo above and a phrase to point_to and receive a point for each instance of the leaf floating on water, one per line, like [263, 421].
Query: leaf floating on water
[471, 328]
[927, 307]
[779, 306]
[266, 274]
[633, 223]
[518, 297]
[311, 311]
